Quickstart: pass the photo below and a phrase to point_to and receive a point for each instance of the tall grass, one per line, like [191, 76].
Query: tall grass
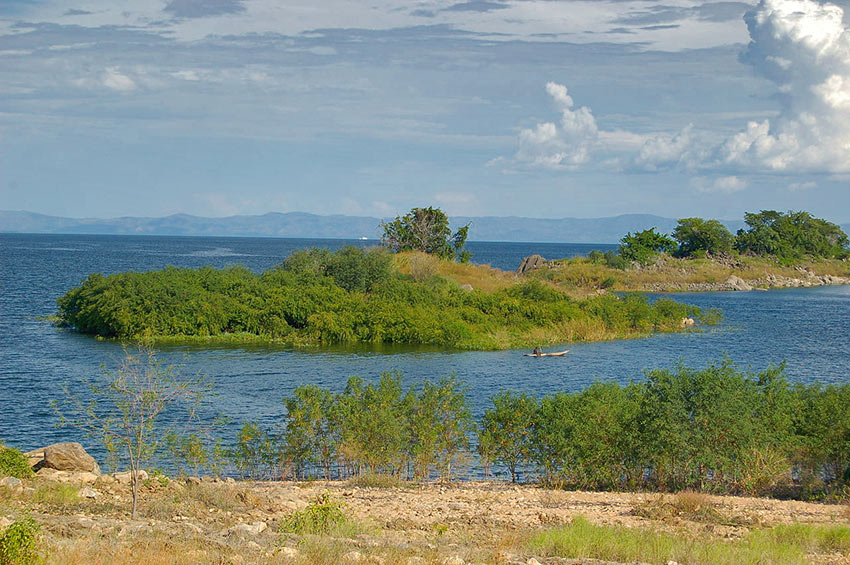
[780, 545]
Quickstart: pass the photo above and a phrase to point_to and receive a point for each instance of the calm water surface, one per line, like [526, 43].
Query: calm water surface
[806, 328]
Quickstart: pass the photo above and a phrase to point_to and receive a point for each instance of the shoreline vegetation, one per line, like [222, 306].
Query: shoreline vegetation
[421, 289]
[675, 446]
[352, 296]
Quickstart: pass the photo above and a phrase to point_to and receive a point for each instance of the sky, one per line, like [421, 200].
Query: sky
[537, 108]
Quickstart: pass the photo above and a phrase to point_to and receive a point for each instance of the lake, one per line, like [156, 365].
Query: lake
[806, 328]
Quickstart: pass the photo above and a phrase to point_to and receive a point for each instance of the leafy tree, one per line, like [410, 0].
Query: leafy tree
[791, 236]
[645, 245]
[439, 422]
[698, 235]
[312, 428]
[426, 230]
[254, 452]
[506, 431]
[123, 408]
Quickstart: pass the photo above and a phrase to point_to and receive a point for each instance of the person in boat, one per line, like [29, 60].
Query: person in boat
[538, 351]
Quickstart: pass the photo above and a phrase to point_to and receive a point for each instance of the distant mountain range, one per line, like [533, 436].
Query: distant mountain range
[299, 224]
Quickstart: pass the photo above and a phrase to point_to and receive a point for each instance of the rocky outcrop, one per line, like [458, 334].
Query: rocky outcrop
[530, 263]
[63, 457]
[737, 283]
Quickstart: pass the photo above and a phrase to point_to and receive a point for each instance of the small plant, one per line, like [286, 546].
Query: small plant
[13, 463]
[19, 543]
[321, 516]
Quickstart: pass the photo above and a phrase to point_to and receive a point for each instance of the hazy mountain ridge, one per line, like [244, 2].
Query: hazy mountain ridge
[301, 224]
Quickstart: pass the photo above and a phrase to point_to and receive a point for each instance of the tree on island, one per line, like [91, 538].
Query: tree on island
[645, 245]
[791, 236]
[696, 235]
[426, 230]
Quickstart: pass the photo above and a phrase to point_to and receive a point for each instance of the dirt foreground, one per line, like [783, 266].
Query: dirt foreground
[214, 521]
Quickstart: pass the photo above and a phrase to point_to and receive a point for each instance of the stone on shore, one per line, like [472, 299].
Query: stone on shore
[126, 477]
[737, 283]
[530, 263]
[65, 457]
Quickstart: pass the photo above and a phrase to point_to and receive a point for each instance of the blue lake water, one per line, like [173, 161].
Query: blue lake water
[806, 328]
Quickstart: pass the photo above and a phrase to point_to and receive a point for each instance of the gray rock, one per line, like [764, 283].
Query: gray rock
[254, 529]
[126, 477]
[530, 263]
[88, 492]
[16, 486]
[69, 457]
[737, 283]
[466, 287]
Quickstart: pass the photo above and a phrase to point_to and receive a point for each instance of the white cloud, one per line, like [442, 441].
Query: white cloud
[566, 145]
[725, 185]
[800, 186]
[116, 80]
[802, 46]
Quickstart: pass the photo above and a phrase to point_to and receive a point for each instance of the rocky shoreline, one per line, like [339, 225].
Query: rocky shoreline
[735, 283]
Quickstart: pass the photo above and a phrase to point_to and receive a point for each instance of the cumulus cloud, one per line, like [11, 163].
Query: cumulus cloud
[802, 46]
[563, 145]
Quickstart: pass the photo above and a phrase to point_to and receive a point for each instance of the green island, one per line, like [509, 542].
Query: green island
[420, 288]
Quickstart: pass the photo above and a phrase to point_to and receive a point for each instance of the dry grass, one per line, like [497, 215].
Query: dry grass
[691, 506]
[421, 266]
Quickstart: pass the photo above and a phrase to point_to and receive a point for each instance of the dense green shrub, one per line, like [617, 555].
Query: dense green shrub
[696, 235]
[348, 296]
[13, 463]
[645, 245]
[322, 516]
[377, 428]
[506, 431]
[19, 543]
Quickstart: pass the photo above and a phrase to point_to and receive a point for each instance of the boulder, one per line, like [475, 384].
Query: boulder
[36, 458]
[254, 529]
[467, 287]
[69, 457]
[737, 283]
[11, 484]
[126, 477]
[530, 263]
[88, 492]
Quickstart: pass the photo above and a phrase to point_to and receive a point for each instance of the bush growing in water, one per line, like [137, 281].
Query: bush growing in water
[352, 295]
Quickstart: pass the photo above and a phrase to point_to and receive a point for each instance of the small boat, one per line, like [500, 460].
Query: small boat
[557, 354]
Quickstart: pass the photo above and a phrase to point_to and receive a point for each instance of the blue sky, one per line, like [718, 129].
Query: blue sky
[539, 108]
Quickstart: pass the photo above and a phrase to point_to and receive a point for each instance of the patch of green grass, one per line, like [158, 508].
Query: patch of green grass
[780, 545]
[56, 494]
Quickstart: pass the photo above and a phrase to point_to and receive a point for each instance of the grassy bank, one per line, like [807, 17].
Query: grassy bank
[357, 296]
[583, 275]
